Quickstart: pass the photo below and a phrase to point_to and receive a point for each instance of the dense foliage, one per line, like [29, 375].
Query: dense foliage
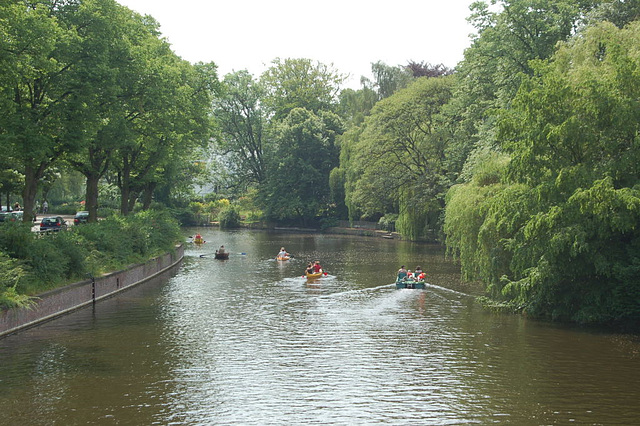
[91, 85]
[556, 235]
[32, 263]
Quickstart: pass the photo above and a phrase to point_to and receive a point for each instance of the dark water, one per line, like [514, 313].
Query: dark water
[249, 341]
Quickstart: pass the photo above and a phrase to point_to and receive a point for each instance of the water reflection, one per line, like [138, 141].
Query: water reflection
[251, 341]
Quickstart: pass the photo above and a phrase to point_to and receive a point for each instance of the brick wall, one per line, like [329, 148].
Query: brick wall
[78, 295]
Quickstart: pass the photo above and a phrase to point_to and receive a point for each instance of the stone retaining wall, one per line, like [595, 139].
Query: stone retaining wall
[66, 299]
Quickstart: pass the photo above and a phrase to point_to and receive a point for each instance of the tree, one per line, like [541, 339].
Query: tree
[242, 123]
[109, 67]
[405, 137]
[166, 117]
[422, 69]
[387, 79]
[509, 35]
[300, 83]
[297, 187]
[558, 235]
[42, 93]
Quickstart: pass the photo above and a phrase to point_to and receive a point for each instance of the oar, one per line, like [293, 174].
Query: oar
[209, 254]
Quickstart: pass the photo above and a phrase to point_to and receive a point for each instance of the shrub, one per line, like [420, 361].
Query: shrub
[11, 272]
[229, 218]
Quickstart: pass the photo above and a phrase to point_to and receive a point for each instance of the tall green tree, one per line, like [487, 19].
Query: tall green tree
[401, 155]
[111, 52]
[558, 235]
[242, 124]
[297, 187]
[509, 34]
[42, 92]
[300, 83]
[167, 117]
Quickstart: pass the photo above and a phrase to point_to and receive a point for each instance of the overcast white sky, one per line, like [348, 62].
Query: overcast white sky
[350, 34]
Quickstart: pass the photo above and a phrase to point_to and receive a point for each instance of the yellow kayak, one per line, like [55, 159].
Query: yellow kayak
[283, 257]
[317, 275]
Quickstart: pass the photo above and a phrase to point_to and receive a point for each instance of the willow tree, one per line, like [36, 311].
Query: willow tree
[401, 154]
[566, 237]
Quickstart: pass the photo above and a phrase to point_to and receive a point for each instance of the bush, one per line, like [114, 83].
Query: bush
[11, 272]
[31, 264]
[229, 218]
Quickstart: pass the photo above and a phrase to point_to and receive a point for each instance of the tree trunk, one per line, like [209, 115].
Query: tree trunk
[31, 177]
[147, 195]
[133, 197]
[124, 182]
[92, 196]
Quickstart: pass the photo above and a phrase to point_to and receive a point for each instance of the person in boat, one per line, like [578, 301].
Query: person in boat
[417, 271]
[422, 276]
[283, 253]
[402, 273]
[198, 238]
[309, 269]
[409, 276]
[221, 250]
[317, 269]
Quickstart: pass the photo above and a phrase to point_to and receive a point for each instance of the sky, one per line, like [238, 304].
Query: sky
[349, 34]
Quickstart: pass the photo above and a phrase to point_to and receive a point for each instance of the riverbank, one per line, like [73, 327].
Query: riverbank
[58, 302]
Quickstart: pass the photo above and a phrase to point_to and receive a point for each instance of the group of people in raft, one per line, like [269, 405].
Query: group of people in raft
[406, 275]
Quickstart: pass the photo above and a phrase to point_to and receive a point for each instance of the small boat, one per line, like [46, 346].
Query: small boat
[222, 256]
[198, 239]
[411, 284]
[283, 258]
[312, 276]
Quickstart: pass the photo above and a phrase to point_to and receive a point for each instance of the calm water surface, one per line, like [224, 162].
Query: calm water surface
[249, 341]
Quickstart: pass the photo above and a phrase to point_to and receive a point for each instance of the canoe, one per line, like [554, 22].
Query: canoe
[222, 256]
[283, 257]
[198, 240]
[411, 284]
[311, 276]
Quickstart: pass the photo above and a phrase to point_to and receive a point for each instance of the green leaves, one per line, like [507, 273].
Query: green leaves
[405, 137]
[557, 234]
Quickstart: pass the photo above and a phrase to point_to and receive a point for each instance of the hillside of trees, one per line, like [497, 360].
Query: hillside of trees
[521, 159]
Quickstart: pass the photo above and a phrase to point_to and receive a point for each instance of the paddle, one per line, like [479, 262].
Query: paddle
[209, 254]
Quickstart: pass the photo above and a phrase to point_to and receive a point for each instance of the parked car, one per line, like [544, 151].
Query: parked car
[81, 217]
[53, 223]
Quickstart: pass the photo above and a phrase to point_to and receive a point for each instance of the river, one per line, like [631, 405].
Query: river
[248, 341]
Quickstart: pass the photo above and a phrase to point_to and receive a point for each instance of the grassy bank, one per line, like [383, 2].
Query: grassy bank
[32, 263]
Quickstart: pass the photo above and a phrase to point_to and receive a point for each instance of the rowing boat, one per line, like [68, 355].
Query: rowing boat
[411, 284]
[222, 256]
